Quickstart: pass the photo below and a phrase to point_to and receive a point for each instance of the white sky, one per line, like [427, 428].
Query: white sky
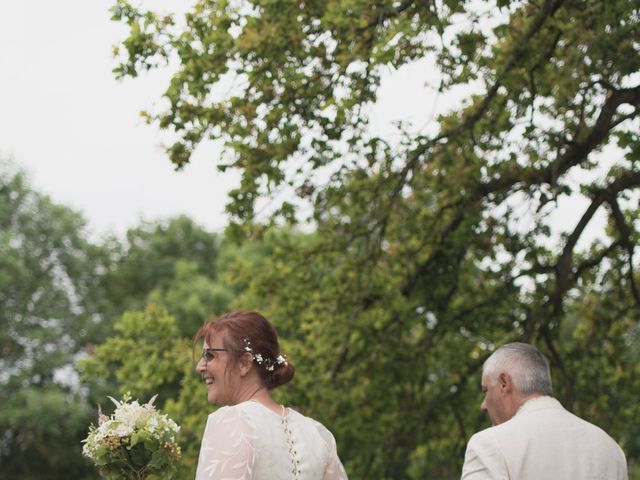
[77, 131]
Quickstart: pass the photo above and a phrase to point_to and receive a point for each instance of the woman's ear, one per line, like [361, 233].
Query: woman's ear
[246, 363]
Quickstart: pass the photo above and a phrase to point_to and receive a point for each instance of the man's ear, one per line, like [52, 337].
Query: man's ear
[504, 382]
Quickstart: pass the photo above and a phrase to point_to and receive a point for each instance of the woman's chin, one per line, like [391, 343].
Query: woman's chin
[211, 395]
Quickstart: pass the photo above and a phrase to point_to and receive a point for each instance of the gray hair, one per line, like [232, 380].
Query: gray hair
[525, 364]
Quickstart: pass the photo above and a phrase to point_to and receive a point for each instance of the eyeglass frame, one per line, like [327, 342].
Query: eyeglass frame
[208, 352]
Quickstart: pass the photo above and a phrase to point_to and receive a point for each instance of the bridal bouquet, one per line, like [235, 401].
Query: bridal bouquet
[135, 442]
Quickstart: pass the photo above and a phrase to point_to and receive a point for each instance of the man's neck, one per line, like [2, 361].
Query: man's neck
[522, 399]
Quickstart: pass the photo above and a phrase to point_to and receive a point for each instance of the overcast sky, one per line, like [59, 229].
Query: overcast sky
[77, 131]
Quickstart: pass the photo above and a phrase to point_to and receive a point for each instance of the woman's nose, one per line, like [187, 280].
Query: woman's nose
[201, 366]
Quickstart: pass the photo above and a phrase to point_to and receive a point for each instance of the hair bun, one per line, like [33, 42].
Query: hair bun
[282, 374]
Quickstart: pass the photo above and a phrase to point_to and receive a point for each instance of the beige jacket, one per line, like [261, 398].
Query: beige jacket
[543, 441]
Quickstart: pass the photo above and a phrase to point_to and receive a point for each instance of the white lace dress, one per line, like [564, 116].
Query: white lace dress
[248, 441]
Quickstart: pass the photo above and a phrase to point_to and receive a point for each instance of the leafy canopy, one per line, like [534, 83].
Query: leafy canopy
[431, 245]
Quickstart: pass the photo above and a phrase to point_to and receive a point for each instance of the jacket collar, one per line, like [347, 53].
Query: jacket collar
[538, 403]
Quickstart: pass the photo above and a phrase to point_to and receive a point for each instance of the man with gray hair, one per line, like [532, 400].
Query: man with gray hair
[534, 437]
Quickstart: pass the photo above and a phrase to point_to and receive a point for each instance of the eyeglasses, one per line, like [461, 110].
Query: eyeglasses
[209, 353]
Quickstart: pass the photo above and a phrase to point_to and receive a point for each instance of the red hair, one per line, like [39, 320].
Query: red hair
[237, 326]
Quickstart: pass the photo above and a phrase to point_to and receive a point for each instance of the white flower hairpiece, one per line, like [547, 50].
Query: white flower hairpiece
[260, 359]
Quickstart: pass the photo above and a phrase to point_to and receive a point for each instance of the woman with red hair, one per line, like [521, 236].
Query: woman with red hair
[252, 436]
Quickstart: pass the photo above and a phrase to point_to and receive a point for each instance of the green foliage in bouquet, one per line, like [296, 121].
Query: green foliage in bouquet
[135, 442]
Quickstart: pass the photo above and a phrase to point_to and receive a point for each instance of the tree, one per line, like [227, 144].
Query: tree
[48, 313]
[162, 283]
[60, 295]
[149, 351]
[147, 259]
[146, 356]
[192, 297]
[434, 245]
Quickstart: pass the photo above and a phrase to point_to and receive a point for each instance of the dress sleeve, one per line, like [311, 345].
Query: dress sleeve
[482, 461]
[227, 451]
[334, 469]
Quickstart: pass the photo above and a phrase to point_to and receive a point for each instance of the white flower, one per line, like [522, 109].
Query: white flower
[129, 414]
[103, 443]
[152, 424]
[260, 359]
[123, 431]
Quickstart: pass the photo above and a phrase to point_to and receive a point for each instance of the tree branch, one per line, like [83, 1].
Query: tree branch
[547, 10]
[577, 153]
[564, 277]
[453, 225]
[592, 262]
[625, 240]
[391, 13]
